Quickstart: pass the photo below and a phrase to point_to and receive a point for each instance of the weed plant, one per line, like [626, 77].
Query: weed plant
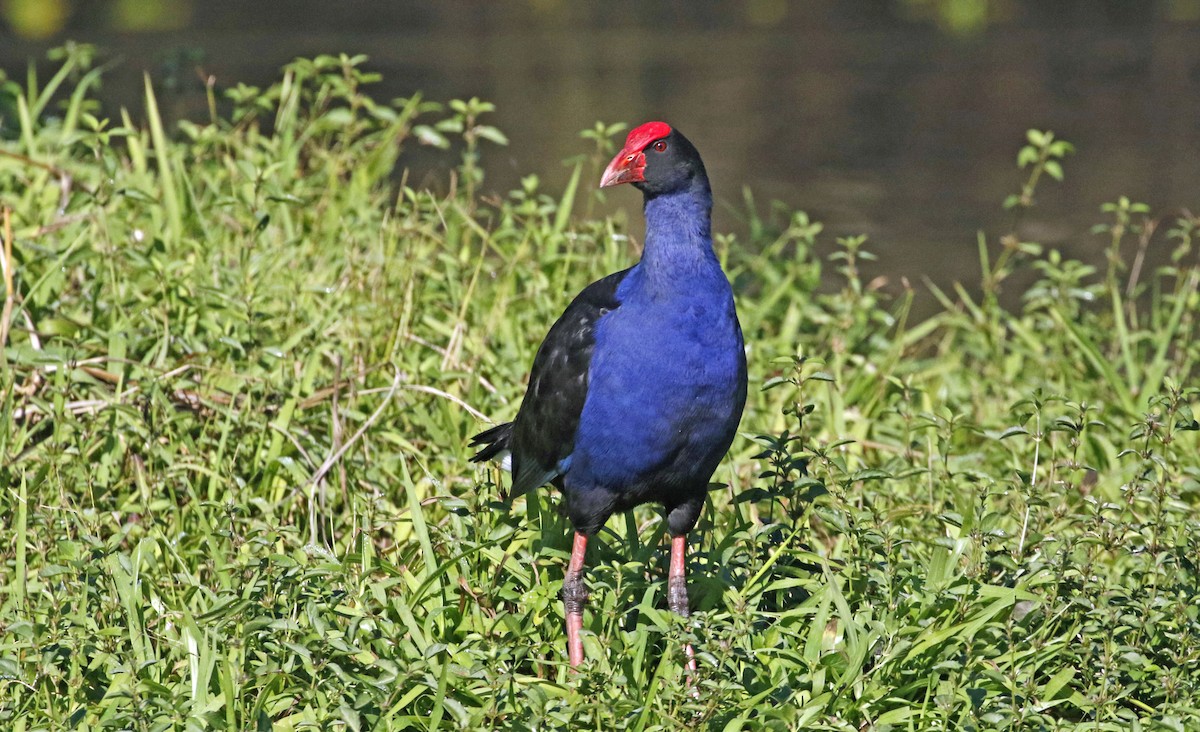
[242, 361]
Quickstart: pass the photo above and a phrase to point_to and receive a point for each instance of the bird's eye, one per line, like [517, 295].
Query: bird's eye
[660, 145]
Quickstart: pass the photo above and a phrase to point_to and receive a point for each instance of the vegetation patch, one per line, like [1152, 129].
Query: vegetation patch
[242, 360]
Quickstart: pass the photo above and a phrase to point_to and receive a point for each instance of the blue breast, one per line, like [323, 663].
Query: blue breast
[667, 380]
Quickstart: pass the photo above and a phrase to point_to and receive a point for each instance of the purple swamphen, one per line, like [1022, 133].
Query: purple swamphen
[637, 390]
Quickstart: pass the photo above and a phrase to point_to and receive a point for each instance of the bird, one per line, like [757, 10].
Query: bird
[636, 393]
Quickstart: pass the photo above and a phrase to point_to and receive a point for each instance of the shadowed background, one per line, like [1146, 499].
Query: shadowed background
[898, 119]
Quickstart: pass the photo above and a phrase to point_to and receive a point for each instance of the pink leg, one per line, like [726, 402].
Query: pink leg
[574, 596]
[677, 594]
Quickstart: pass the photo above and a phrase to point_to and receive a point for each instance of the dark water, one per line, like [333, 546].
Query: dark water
[874, 120]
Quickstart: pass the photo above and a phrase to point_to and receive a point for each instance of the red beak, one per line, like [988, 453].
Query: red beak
[628, 167]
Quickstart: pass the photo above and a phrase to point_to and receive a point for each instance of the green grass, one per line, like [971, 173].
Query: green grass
[242, 362]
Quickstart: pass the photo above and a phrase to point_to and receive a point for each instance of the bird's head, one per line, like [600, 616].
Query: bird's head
[656, 159]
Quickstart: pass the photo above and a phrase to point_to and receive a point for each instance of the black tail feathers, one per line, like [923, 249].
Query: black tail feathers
[495, 441]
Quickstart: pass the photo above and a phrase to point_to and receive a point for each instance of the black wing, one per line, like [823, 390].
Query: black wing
[544, 430]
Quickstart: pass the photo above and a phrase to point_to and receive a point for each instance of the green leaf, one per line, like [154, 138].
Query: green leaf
[491, 134]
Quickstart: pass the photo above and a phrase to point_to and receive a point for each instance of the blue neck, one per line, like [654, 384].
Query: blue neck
[679, 248]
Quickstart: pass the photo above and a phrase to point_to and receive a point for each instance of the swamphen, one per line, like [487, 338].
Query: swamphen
[638, 388]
